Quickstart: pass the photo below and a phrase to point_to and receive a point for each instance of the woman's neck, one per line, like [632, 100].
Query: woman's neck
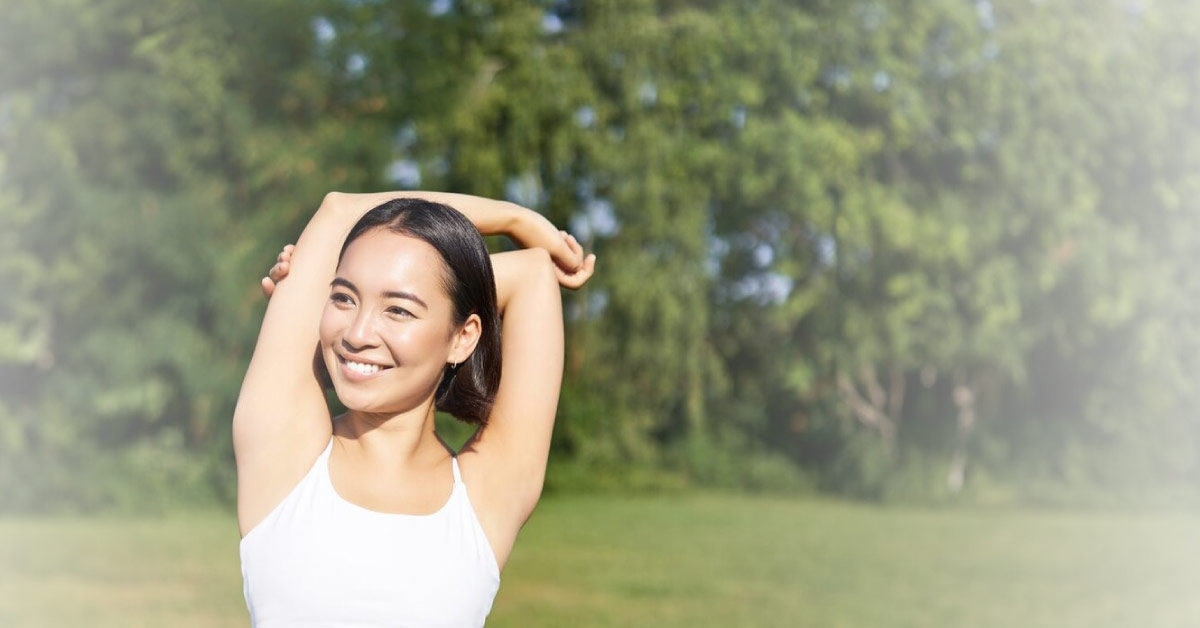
[391, 442]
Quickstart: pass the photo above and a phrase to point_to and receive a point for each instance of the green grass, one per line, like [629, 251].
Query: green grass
[701, 560]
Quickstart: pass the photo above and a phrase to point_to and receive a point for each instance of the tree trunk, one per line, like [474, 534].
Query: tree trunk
[878, 409]
[964, 400]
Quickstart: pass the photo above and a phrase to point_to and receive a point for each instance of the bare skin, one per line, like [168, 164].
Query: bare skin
[387, 456]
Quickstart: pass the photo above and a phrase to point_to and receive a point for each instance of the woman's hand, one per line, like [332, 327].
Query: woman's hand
[574, 279]
[278, 271]
[530, 229]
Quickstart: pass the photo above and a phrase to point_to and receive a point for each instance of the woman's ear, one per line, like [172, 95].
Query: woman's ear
[465, 338]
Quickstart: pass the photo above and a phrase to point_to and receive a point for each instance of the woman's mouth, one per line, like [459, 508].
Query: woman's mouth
[360, 371]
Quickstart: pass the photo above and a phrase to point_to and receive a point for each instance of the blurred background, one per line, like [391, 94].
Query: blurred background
[895, 321]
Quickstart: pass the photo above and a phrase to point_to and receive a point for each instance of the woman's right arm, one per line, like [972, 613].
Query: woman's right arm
[281, 421]
[281, 404]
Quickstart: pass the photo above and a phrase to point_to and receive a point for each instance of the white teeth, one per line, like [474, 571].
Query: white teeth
[365, 369]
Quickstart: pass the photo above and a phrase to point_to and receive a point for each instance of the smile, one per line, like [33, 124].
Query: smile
[360, 370]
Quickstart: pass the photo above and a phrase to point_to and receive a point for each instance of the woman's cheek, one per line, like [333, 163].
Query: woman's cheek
[331, 322]
[418, 342]
[324, 325]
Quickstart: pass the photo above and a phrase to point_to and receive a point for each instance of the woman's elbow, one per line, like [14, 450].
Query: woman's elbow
[332, 200]
[539, 267]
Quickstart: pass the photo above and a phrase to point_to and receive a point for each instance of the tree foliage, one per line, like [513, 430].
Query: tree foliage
[894, 250]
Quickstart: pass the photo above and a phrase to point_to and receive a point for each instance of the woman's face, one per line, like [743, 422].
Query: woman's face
[387, 331]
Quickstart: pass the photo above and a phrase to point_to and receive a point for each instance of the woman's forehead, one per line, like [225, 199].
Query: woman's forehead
[383, 260]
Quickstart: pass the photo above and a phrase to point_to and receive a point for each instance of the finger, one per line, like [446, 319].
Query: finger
[268, 286]
[575, 280]
[589, 269]
[569, 282]
[575, 246]
[565, 257]
[575, 249]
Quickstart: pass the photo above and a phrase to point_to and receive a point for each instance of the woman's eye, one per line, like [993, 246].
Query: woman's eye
[339, 298]
[400, 311]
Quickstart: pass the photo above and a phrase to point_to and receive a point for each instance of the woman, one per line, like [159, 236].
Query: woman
[370, 519]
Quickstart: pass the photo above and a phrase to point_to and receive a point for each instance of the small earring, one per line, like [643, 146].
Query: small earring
[454, 365]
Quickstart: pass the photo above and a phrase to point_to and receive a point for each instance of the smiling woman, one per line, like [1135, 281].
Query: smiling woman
[397, 252]
[370, 518]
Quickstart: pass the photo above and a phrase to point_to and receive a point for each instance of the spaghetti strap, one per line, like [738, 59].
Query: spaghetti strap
[454, 465]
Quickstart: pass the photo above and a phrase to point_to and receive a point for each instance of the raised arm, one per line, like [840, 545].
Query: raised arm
[514, 445]
[281, 400]
[491, 217]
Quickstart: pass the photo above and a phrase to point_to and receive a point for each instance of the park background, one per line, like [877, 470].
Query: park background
[895, 322]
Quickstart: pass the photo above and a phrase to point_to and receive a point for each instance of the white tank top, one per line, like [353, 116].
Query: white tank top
[319, 560]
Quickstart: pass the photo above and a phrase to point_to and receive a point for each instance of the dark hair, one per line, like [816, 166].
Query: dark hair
[465, 391]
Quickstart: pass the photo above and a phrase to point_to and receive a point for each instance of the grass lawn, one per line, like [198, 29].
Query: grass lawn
[700, 560]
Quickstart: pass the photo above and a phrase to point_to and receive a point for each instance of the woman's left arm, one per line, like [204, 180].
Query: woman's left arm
[515, 443]
[491, 217]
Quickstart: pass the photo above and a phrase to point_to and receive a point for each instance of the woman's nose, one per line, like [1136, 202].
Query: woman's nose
[362, 330]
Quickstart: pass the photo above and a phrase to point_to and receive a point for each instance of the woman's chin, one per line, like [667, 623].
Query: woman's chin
[356, 401]
[361, 401]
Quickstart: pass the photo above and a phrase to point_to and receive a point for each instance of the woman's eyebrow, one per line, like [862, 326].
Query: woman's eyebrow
[345, 283]
[390, 294]
[400, 294]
